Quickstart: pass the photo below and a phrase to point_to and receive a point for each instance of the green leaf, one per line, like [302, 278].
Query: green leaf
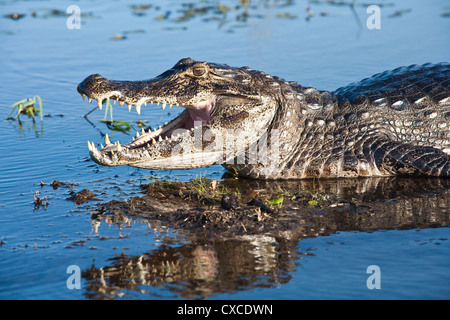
[20, 102]
[121, 126]
[40, 107]
[276, 201]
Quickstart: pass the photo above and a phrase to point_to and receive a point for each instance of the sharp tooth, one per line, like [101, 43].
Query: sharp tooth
[163, 106]
[121, 103]
[101, 145]
[99, 104]
[143, 131]
[112, 152]
[159, 139]
[114, 101]
[90, 100]
[145, 103]
[119, 147]
[137, 134]
[107, 141]
[138, 109]
[153, 141]
[129, 107]
[89, 146]
[159, 127]
[83, 96]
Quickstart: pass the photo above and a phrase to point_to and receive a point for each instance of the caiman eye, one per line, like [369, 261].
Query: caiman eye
[198, 71]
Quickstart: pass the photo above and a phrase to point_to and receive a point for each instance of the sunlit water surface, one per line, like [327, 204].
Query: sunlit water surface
[41, 56]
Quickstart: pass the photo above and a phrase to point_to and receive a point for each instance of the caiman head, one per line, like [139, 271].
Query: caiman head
[227, 111]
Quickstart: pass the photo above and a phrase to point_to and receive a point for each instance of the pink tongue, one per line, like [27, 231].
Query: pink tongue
[197, 117]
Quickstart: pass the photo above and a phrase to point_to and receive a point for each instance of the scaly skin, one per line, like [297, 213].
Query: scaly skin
[260, 126]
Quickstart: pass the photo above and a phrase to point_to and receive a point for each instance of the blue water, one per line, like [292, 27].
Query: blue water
[39, 55]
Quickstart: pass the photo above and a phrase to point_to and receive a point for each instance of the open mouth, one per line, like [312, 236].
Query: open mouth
[191, 117]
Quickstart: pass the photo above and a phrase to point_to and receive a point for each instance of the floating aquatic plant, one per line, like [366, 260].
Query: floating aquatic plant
[115, 125]
[26, 106]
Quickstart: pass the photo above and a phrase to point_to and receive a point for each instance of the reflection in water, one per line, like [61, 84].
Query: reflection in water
[215, 261]
[195, 270]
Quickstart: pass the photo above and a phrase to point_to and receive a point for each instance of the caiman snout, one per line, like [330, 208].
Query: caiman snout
[99, 88]
[91, 82]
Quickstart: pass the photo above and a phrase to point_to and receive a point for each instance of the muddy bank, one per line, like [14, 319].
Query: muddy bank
[287, 209]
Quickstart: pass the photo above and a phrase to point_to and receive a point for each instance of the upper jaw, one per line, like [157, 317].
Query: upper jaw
[132, 93]
[98, 88]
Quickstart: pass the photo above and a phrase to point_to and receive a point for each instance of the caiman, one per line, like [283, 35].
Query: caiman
[261, 126]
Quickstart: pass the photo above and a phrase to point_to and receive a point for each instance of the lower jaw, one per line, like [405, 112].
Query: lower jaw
[187, 120]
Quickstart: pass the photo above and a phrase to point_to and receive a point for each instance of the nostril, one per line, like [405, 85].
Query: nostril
[95, 76]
